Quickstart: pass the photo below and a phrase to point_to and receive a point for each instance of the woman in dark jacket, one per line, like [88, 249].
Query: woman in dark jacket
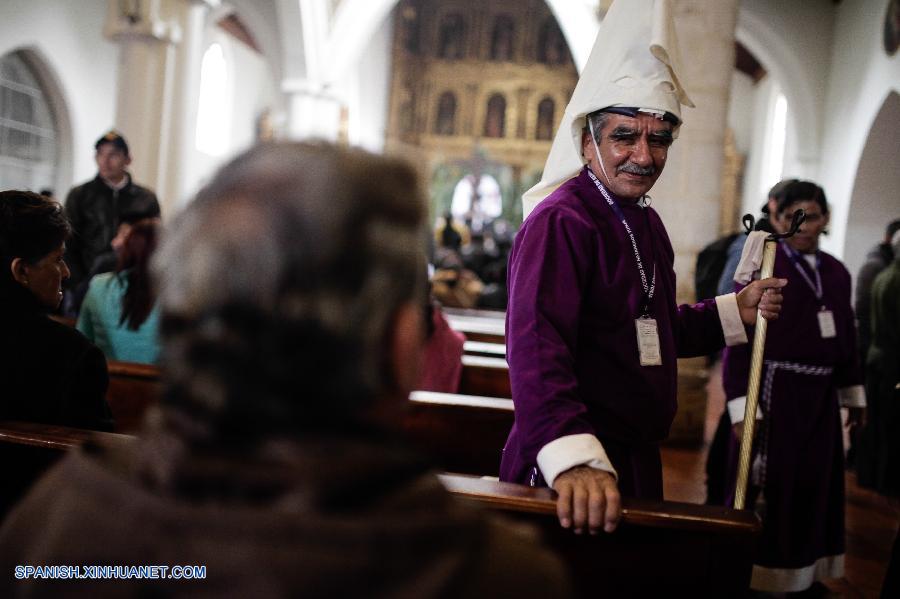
[49, 372]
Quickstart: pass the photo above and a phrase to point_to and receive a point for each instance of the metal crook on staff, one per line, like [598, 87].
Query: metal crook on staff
[756, 359]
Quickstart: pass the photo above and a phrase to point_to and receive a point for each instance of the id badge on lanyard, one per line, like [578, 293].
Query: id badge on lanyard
[649, 351]
[826, 324]
[648, 341]
[827, 328]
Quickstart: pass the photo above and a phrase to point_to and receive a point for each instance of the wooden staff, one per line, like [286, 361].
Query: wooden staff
[756, 360]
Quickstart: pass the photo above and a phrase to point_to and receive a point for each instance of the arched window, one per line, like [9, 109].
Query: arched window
[502, 38]
[495, 118]
[452, 37]
[551, 45]
[545, 119]
[28, 132]
[445, 123]
[773, 161]
[477, 199]
[213, 113]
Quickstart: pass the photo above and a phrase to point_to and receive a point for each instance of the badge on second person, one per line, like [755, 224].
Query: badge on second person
[648, 341]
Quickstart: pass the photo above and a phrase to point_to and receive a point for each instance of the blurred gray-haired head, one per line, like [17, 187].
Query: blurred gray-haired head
[278, 286]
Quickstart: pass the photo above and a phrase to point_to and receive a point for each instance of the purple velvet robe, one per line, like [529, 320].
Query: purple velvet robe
[574, 294]
[801, 470]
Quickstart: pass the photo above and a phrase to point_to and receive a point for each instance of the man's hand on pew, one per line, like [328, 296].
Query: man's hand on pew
[588, 499]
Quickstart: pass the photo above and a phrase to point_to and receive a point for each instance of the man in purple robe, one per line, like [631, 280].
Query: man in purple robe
[811, 368]
[593, 331]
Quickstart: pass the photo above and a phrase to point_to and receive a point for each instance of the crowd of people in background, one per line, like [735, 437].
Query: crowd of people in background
[470, 263]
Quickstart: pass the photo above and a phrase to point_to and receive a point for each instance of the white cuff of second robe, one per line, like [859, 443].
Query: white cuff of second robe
[852, 397]
[730, 317]
[737, 407]
[583, 449]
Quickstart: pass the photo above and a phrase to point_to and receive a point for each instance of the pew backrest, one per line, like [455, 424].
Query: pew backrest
[133, 389]
[484, 375]
[660, 548]
[460, 433]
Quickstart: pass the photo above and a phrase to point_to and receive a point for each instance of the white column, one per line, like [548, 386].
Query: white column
[159, 72]
[145, 72]
[688, 195]
[184, 91]
[313, 112]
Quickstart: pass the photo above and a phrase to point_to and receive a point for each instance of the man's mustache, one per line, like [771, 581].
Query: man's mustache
[636, 169]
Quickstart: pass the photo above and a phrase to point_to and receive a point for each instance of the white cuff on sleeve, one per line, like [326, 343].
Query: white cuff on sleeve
[730, 317]
[852, 397]
[583, 449]
[737, 407]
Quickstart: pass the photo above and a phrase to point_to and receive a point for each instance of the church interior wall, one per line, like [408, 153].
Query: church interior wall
[68, 37]
[862, 76]
[261, 17]
[875, 198]
[740, 110]
[251, 92]
[368, 91]
[756, 184]
[792, 40]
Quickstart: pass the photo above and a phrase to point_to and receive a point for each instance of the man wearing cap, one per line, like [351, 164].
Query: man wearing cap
[96, 209]
[593, 331]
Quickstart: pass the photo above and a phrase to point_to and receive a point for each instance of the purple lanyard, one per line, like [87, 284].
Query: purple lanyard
[650, 288]
[795, 257]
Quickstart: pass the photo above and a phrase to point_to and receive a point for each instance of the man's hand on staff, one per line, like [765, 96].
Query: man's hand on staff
[588, 500]
[764, 295]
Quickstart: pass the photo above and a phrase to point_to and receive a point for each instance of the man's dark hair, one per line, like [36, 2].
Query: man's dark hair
[115, 138]
[802, 191]
[31, 226]
[776, 192]
[279, 285]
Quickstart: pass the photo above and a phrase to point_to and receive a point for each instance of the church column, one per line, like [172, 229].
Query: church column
[313, 111]
[146, 39]
[159, 73]
[184, 92]
[688, 195]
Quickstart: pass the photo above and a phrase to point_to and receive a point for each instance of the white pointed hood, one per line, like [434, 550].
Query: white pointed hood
[634, 63]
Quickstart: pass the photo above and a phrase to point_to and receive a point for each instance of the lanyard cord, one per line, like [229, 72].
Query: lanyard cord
[649, 289]
[795, 257]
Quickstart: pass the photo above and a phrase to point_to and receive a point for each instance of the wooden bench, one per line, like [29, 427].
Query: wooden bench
[481, 348]
[477, 328]
[660, 548]
[135, 387]
[460, 433]
[483, 375]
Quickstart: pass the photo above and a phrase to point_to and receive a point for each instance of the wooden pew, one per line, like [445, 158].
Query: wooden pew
[660, 548]
[460, 433]
[481, 348]
[478, 328]
[497, 315]
[133, 388]
[482, 375]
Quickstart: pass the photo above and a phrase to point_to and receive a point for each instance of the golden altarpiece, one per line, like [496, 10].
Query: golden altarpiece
[477, 88]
